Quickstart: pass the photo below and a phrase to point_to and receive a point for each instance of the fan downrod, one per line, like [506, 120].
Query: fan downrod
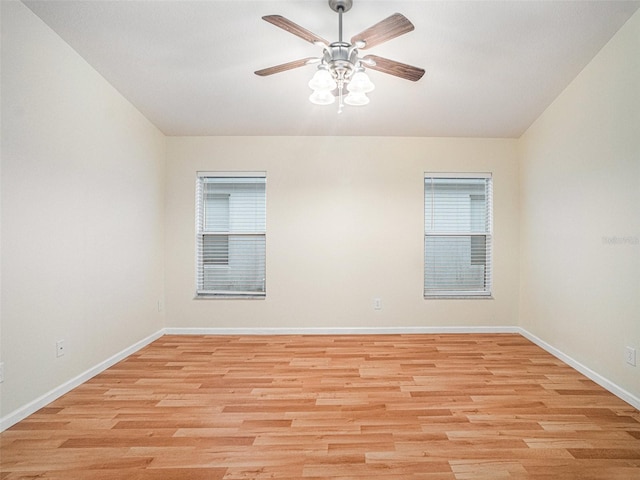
[340, 5]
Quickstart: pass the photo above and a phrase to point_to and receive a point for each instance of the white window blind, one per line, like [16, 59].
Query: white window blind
[231, 234]
[458, 223]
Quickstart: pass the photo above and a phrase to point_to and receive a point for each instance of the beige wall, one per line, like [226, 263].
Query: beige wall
[345, 224]
[580, 215]
[82, 214]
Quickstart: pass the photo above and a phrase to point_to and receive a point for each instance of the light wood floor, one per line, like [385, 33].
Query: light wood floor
[341, 407]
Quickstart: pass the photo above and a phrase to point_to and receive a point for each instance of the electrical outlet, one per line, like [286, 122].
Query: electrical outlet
[59, 348]
[377, 304]
[630, 356]
[1, 372]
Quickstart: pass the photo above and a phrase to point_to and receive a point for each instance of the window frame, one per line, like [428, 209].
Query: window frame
[486, 292]
[228, 233]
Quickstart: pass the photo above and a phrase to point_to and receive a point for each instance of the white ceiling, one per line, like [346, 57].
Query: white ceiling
[492, 67]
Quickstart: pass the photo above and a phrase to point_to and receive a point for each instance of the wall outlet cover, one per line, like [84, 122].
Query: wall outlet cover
[59, 348]
[630, 356]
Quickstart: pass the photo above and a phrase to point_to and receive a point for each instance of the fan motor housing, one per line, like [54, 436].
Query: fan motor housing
[341, 58]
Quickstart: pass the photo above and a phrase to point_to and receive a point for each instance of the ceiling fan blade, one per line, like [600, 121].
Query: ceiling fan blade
[289, 26]
[392, 67]
[391, 27]
[285, 66]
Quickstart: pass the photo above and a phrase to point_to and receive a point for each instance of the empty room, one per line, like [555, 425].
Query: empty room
[320, 239]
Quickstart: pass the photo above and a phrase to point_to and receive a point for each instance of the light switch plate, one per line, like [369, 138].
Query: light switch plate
[630, 356]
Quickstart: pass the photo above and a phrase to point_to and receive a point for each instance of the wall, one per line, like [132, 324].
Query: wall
[82, 214]
[580, 215]
[345, 224]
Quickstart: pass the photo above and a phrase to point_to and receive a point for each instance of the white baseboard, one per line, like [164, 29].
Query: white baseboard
[338, 330]
[586, 371]
[32, 407]
[42, 401]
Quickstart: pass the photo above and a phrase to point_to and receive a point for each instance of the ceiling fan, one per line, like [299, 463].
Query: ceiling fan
[341, 67]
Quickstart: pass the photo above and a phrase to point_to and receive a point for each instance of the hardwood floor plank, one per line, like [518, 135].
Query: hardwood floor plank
[308, 407]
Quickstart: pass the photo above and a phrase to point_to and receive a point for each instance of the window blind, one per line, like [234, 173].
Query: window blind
[231, 235]
[457, 235]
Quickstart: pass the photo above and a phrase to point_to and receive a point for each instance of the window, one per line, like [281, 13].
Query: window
[230, 234]
[457, 235]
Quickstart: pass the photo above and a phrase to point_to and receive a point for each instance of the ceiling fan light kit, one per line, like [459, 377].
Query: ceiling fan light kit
[322, 80]
[320, 97]
[360, 83]
[340, 67]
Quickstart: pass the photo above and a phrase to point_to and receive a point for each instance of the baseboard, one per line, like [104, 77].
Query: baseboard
[586, 371]
[338, 330]
[32, 407]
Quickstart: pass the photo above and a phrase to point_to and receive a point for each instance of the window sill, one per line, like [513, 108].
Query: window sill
[458, 297]
[230, 297]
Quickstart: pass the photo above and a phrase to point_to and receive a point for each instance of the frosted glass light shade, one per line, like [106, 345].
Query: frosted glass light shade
[360, 83]
[322, 80]
[356, 99]
[322, 97]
